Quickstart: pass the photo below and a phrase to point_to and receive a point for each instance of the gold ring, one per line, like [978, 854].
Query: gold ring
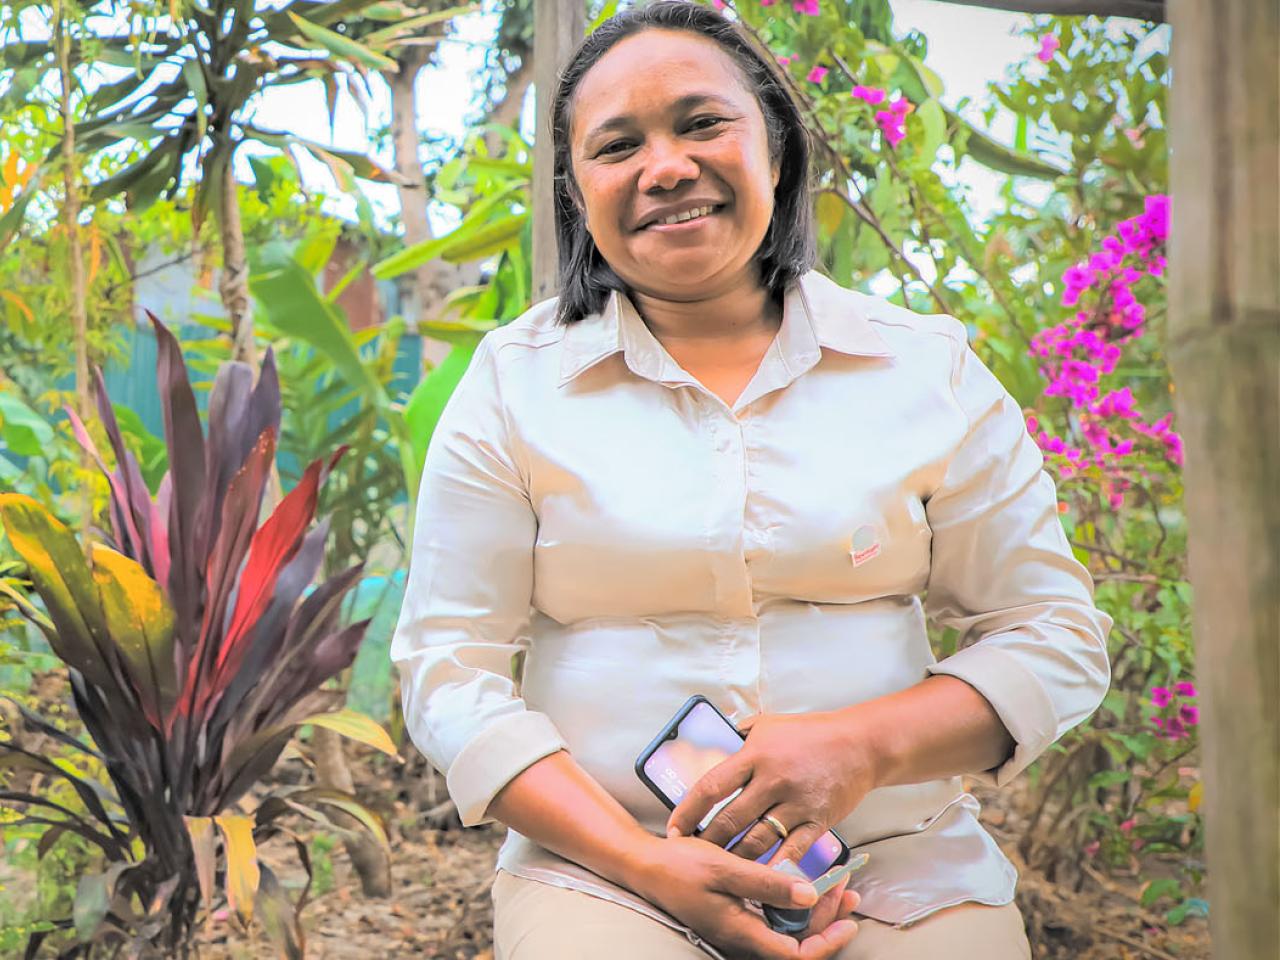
[776, 824]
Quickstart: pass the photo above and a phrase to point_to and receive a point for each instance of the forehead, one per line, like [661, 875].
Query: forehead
[648, 72]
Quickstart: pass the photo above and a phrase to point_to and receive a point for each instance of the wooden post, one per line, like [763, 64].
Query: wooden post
[1224, 352]
[558, 26]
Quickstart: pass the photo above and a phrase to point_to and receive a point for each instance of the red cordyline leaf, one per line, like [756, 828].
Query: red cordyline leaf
[235, 531]
[273, 545]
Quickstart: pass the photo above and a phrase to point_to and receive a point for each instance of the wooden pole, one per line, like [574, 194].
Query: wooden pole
[558, 26]
[1224, 353]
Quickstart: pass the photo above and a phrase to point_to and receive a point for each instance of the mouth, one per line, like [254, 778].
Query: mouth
[685, 225]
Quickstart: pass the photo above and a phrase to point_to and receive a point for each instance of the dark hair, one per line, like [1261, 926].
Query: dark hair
[787, 250]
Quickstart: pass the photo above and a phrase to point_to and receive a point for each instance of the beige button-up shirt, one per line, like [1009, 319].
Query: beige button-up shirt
[588, 502]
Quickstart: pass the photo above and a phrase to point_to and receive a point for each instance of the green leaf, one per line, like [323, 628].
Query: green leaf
[1109, 778]
[997, 156]
[140, 622]
[354, 726]
[279, 916]
[476, 220]
[426, 403]
[343, 47]
[934, 122]
[22, 430]
[411, 25]
[91, 904]
[287, 294]
[61, 576]
[1160, 887]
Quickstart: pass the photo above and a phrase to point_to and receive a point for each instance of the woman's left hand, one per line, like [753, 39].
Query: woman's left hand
[808, 770]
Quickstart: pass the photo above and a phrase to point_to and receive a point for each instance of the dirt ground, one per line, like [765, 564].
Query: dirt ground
[440, 907]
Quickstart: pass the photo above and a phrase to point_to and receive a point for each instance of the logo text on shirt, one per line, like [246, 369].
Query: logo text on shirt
[864, 546]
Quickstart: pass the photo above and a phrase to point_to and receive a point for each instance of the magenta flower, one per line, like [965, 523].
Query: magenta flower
[817, 74]
[871, 95]
[1161, 697]
[1128, 825]
[1184, 689]
[1091, 849]
[1189, 715]
[1175, 729]
[1048, 45]
[784, 61]
[808, 7]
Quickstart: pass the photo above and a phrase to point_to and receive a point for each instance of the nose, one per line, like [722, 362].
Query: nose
[667, 165]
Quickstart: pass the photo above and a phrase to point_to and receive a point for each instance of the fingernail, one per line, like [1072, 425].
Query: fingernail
[804, 895]
[673, 831]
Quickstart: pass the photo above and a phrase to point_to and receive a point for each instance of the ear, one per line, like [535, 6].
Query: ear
[775, 173]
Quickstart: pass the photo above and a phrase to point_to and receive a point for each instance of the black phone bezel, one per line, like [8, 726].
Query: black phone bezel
[671, 730]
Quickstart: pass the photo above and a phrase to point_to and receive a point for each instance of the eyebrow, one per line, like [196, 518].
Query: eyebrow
[687, 102]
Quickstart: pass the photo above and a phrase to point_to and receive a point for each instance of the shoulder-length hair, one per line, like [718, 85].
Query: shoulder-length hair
[788, 249]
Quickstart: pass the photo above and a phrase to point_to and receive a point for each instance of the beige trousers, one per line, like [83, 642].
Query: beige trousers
[540, 921]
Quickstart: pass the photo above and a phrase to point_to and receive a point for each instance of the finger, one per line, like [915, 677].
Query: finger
[758, 840]
[799, 839]
[748, 880]
[827, 910]
[713, 787]
[747, 934]
[739, 819]
[829, 942]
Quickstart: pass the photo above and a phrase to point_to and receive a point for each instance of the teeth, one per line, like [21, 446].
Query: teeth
[687, 215]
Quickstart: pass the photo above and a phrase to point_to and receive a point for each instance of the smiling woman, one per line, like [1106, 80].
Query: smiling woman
[705, 468]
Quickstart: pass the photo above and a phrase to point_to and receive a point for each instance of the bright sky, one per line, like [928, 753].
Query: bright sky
[968, 48]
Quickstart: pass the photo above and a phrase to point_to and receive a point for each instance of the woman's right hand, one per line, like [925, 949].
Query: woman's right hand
[704, 886]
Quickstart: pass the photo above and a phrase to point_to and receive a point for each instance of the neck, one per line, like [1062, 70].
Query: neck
[732, 313]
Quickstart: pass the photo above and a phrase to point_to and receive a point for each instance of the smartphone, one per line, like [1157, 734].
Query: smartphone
[698, 737]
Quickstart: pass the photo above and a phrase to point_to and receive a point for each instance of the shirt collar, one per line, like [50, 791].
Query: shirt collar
[817, 312]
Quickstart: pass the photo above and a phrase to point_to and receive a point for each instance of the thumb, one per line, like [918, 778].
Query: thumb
[745, 725]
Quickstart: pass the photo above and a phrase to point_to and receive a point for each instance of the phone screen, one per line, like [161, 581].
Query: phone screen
[704, 739]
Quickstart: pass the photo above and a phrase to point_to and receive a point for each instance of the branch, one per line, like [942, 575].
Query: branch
[1152, 10]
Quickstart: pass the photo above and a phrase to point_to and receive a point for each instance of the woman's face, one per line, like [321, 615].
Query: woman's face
[663, 124]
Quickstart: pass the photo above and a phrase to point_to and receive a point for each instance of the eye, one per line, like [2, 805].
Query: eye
[608, 148]
[710, 120]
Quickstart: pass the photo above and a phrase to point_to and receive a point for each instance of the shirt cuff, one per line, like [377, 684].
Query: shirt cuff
[1017, 696]
[494, 757]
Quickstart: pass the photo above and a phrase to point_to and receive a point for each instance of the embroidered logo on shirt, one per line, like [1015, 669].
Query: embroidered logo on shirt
[864, 546]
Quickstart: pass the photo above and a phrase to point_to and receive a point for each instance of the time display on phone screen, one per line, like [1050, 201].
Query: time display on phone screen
[704, 740]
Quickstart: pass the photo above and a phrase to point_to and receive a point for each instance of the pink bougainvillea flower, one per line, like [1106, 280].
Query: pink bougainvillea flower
[817, 74]
[1160, 696]
[1048, 46]
[1091, 849]
[1175, 729]
[808, 7]
[1128, 825]
[871, 95]
[1189, 715]
[1184, 689]
[785, 60]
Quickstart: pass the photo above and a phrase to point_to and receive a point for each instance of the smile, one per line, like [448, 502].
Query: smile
[688, 220]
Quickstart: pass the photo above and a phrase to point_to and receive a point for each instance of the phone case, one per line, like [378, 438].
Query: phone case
[670, 732]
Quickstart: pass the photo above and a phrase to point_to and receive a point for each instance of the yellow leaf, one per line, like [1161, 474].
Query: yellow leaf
[19, 303]
[95, 251]
[243, 875]
[1196, 797]
[830, 210]
[356, 726]
[202, 843]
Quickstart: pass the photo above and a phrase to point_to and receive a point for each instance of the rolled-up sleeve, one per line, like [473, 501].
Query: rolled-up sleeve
[467, 599]
[1003, 574]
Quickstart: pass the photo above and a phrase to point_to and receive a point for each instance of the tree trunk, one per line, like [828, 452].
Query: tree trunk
[234, 285]
[558, 28]
[368, 858]
[75, 261]
[1224, 351]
